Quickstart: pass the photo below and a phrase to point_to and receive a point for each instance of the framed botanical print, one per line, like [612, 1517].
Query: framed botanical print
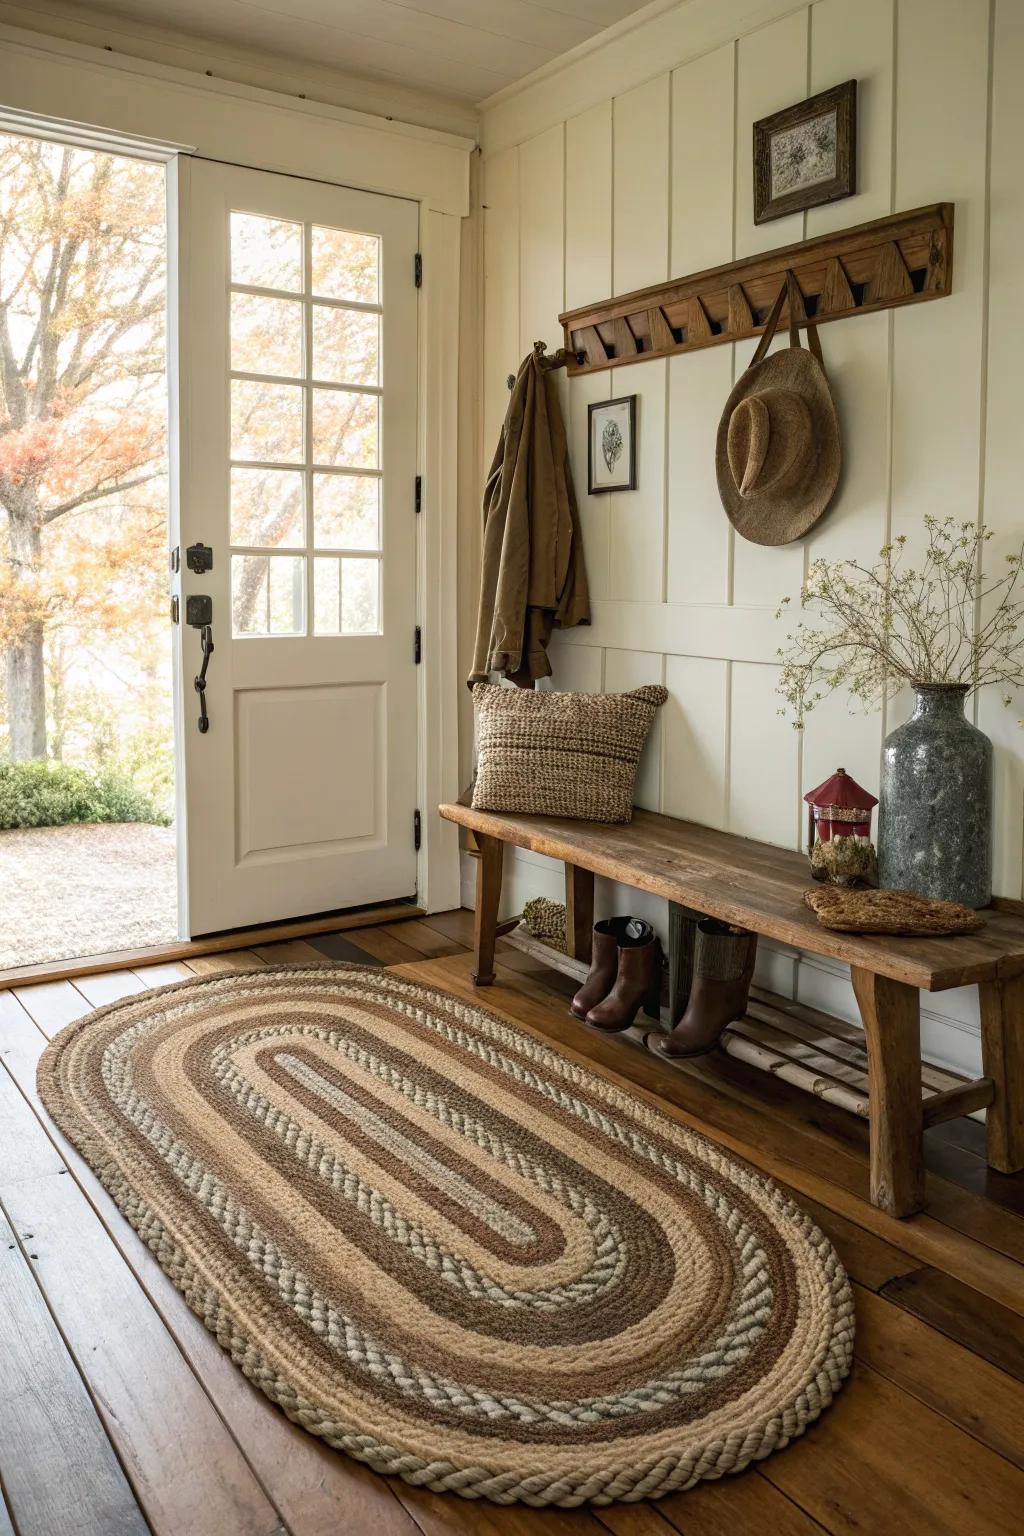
[807, 154]
[611, 445]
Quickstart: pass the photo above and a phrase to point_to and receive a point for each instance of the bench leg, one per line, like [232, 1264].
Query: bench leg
[488, 894]
[891, 1014]
[579, 912]
[1002, 1053]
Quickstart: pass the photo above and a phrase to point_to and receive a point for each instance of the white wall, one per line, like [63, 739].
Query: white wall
[654, 181]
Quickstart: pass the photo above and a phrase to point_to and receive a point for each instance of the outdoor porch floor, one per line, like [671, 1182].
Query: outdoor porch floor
[85, 890]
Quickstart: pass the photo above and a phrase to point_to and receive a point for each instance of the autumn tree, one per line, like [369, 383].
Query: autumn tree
[82, 403]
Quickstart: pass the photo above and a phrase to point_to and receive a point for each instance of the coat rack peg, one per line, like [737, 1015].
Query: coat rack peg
[557, 359]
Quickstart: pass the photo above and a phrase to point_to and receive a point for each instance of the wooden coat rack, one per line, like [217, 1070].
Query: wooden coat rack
[906, 258]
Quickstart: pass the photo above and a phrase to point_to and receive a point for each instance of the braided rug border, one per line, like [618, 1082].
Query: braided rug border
[650, 1480]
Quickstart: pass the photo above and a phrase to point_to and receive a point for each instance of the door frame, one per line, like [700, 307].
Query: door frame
[437, 741]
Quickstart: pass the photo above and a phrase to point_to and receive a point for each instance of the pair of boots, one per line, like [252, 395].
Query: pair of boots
[723, 965]
[625, 975]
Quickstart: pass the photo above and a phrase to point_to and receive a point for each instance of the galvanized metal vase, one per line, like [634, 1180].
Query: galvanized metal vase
[935, 812]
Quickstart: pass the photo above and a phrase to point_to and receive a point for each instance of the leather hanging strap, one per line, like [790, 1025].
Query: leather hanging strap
[790, 291]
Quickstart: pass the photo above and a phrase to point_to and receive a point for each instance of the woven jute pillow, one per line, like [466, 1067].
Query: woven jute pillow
[560, 754]
[853, 911]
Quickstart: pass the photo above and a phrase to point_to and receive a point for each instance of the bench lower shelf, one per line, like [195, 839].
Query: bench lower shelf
[811, 1050]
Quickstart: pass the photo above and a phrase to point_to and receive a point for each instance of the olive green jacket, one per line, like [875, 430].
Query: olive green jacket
[533, 578]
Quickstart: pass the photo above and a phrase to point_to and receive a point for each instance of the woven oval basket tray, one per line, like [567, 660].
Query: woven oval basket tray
[447, 1247]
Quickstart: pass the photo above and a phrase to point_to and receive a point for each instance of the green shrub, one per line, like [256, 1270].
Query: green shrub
[41, 794]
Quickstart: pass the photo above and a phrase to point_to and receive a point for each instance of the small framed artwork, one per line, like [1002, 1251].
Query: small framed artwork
[611, 445]
[807, 154]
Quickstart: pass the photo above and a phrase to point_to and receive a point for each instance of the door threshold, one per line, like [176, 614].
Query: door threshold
[211, 944]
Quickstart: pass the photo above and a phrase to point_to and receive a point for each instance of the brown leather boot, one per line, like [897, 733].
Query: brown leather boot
[723, 965]
[637, 980]
[604, 962]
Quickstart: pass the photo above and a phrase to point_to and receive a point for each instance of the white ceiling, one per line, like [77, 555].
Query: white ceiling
[460, 48]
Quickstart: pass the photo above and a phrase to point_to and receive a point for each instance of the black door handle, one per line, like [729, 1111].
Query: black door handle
[206, 641]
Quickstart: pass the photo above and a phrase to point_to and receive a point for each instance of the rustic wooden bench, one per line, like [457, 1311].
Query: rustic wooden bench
[760, 887]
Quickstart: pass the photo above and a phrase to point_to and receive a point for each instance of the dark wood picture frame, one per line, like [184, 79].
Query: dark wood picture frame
[770, 203]
[624, 485]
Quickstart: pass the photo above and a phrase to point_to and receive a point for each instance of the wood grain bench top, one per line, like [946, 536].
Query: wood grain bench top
[754, 885]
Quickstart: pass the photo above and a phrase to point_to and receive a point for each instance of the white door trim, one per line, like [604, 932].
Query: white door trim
[438, 863]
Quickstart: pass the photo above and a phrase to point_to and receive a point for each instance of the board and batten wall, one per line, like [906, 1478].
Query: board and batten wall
[630, 164]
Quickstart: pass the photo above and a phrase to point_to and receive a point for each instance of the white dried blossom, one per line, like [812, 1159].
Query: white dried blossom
[882, 626]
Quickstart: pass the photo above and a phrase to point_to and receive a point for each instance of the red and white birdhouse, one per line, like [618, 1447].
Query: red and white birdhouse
[838, 808]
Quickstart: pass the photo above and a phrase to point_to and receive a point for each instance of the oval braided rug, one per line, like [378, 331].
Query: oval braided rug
[447, 1247]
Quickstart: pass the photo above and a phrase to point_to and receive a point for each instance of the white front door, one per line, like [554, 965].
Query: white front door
[298, 366]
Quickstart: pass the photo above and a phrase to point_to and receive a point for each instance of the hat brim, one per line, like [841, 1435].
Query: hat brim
[775, 516]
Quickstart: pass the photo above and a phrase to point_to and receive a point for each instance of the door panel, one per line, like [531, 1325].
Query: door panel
[298, 395]
[291, 735]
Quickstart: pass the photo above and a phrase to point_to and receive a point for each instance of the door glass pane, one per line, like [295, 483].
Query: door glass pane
[266, 421]
[266, 253]
[345, 428]
[267, 507]
[346, 345]
[346, 596]
[346, 265]
[346, 511]
[268, 594]
[360, 597]
[266, 335]
[326, 596]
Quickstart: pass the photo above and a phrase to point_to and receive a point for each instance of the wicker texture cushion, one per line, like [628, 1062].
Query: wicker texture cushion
[560, 754]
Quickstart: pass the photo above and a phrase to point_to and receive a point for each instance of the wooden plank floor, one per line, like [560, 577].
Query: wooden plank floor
[119, 1413]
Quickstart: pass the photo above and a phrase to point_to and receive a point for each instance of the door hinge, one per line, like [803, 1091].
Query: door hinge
[417, 269]
[419, 494]
[417, 830]
[175, 610]
[417, 645]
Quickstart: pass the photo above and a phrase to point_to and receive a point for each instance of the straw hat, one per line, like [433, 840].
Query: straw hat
[778, 452]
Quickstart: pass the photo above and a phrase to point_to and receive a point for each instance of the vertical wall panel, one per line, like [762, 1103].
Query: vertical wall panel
[771, 73]
[942, 69]
[703, 154]
[595, 511]
[855, 42]
[501, 289]
[632, 669]
[637, 518]
[703, 166]
[764, 751]
[588, 206]
[857, 362]
[641, 128]
[1002, 505]
[541, 247]
[695, 725]
[698, 529]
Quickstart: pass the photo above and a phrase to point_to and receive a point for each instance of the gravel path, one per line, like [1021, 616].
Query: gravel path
[72, 891]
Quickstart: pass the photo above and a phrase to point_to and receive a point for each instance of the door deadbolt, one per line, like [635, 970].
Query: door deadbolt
[199, 558]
